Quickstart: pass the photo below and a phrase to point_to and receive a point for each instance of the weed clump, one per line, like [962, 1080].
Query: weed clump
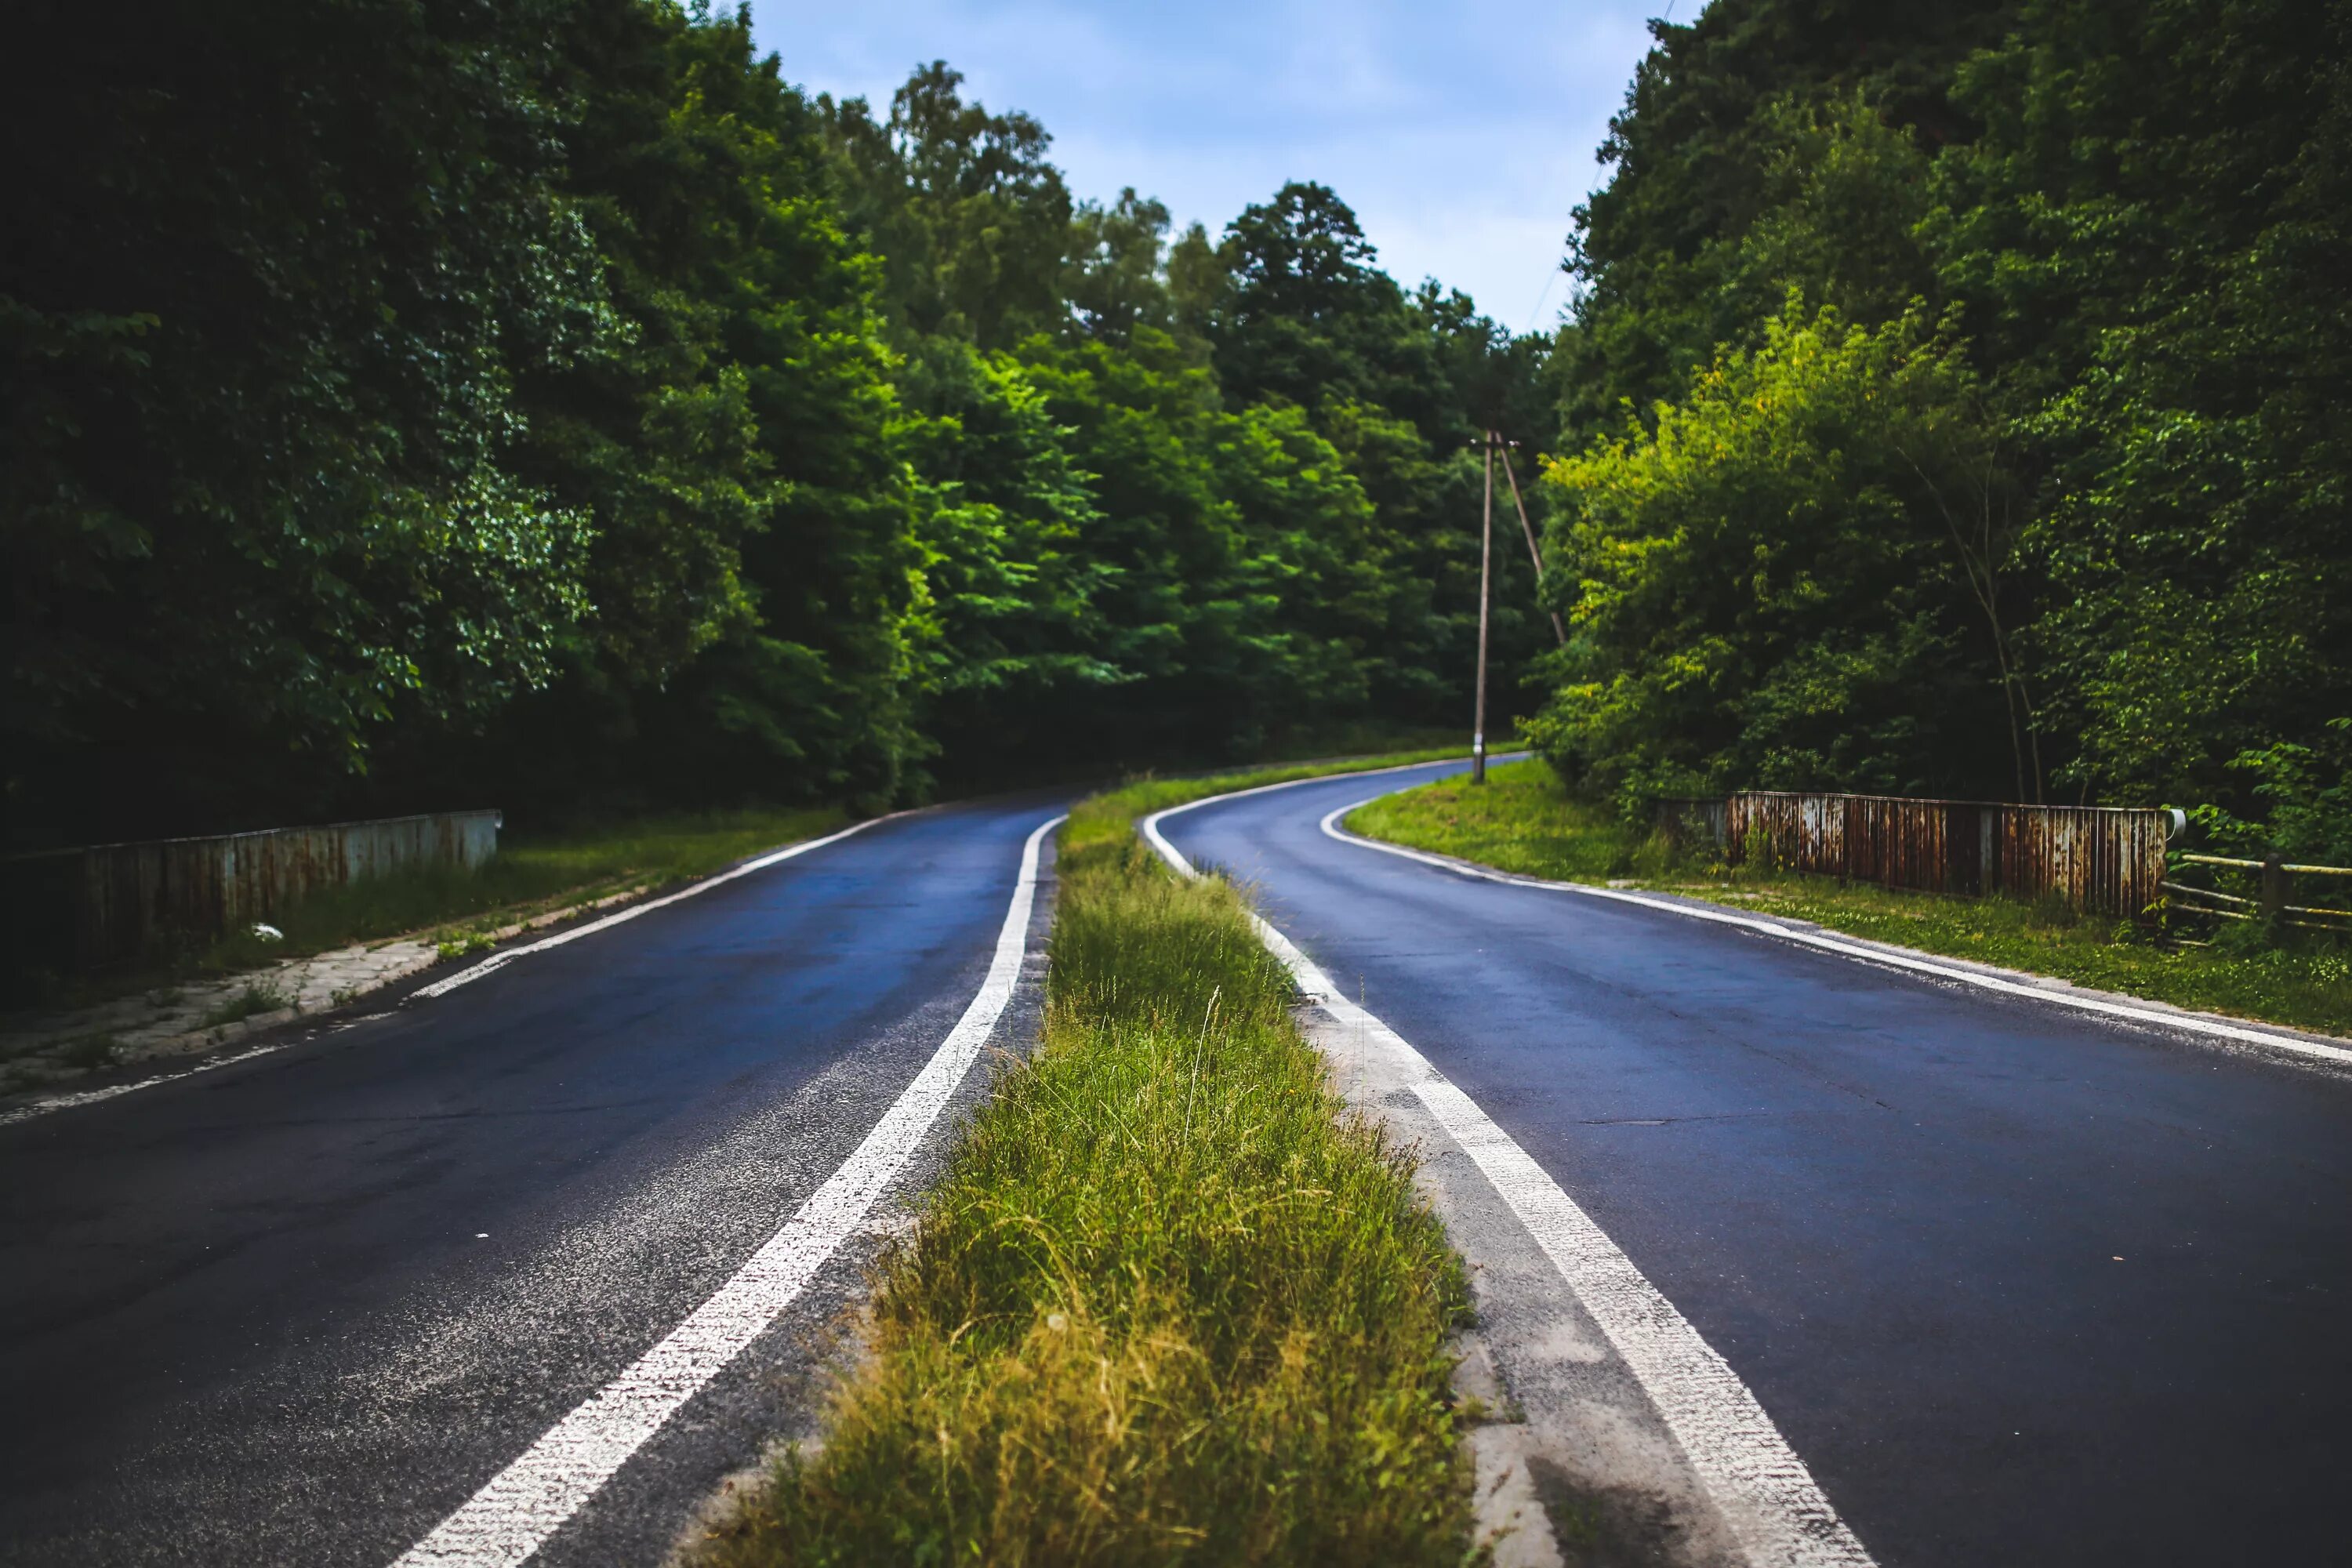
[90, 1052]
[249, 1003]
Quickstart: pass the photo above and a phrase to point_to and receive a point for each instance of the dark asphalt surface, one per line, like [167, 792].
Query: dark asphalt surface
[296, 1310]
[1896, 1206]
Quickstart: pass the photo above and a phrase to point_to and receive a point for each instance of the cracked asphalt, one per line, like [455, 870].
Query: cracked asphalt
[296, 1310]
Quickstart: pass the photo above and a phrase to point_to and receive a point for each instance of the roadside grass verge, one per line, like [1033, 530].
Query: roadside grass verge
[532, 875]
[1525, 821]
[1172, 1302]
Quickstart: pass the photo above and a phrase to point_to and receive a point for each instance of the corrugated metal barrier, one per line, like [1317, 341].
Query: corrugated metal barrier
[83, 909]
[2105, 859]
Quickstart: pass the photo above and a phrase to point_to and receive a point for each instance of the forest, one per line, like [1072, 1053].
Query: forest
[432, 402]
[1958, 402]
[544, 403]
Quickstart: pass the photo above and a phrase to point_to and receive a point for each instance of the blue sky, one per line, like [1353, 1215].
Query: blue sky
[1461, 134]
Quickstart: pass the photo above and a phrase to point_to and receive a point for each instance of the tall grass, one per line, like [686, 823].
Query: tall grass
[1172, 1304]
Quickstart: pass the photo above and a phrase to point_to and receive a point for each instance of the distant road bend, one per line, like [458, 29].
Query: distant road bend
[470, 1280]
[2015, 1283]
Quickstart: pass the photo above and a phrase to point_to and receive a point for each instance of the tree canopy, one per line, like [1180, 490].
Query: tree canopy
[551, 403]
[411, 401]
[1953, 402]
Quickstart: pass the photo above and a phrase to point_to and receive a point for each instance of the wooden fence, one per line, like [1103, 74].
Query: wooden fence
[2106, 859]
[2269, 883]
[76, 910]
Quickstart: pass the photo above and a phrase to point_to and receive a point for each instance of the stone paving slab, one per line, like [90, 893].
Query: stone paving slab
[198, 1015]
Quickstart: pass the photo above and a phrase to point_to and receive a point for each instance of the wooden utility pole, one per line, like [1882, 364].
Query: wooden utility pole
[1528, 528]
[1485, 589]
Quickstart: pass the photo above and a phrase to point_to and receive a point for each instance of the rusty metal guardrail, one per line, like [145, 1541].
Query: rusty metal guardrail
[2108, 859]
[82, 909]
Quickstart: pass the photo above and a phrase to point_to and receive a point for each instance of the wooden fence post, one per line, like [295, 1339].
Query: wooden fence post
[2272, 903]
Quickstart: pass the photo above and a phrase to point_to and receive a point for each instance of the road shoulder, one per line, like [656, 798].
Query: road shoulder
[2211, 1029]
[1570, 1454]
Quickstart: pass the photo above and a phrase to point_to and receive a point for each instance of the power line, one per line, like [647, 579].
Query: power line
[1550, 279]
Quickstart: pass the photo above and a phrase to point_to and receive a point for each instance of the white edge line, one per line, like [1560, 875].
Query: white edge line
[78, 1098]
[500, 960]
[512, 1515]
[1183, 868]
[1767, 1498]
[2193, 1023]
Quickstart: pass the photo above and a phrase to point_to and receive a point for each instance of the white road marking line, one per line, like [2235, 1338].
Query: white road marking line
[1767, 1498]
[2193, 1023]
[41, 1107]
[33, 1108]
[1168, 852]
[498, 961]
[508, 1520]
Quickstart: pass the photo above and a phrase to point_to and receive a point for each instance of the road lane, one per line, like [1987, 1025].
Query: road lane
[2016, 1284]
[297, 1310]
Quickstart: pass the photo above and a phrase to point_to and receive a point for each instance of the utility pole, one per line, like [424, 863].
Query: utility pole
[1485, 589]
[1528, 528]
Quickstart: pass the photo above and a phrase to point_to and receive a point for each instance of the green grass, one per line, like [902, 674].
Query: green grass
[1171, 1302]
[1524, 821]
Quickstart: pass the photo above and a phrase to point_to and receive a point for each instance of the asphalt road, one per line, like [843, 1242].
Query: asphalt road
[2018, 1285]
[296, 1310]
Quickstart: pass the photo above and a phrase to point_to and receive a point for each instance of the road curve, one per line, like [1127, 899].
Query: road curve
[297, 1310]
[2017, 1284]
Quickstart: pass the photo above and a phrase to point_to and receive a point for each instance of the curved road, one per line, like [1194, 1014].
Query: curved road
[299, 1309]
[2018, 1285]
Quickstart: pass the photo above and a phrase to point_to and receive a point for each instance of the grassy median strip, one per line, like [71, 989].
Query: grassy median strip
[1525, 821]
[1172, 1302]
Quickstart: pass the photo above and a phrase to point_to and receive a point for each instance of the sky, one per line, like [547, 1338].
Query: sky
[1462, 134]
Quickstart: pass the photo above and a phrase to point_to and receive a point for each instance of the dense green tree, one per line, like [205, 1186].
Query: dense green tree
[970, 219]
[2150, 240]
[1778, 581]
[1307, 315]
[1719, 124]
[753, 567]
[2129, 222]
[1008, 624]
[1116, 281]
[410, 401]
[1244, 581]
[269, 276]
